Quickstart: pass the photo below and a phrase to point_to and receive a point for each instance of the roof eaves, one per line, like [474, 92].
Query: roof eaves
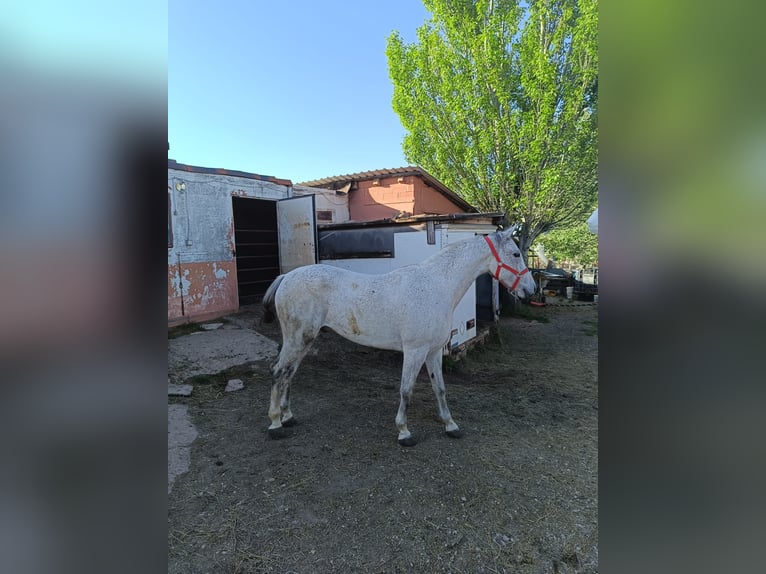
[173, 164]
[493, 218]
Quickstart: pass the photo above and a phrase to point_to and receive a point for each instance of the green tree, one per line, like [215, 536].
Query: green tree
[576, 244]
[499, 100]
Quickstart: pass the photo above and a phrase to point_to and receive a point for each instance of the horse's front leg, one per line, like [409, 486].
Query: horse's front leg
[434, 366]
[413, 360]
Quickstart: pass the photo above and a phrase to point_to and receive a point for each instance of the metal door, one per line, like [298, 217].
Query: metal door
[296, 222]
[256, 245]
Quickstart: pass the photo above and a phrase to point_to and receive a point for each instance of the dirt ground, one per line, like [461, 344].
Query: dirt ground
[516, 494]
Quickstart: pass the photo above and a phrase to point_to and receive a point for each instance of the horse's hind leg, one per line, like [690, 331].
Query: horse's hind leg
[434, 366]
[294, 348]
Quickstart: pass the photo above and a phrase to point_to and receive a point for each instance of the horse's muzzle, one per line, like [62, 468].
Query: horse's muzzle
[528, 294]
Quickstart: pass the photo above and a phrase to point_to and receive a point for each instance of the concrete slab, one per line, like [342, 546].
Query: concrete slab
[181, 434]
[204, 353]
[210, 352]
[211, 326]
[180, 390]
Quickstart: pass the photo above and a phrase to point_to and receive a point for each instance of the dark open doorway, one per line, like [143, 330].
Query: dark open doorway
[257, 246]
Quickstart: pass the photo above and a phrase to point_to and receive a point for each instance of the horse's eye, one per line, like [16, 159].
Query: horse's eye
[517, 254]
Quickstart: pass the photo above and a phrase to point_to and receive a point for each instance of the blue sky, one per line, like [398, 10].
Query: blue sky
[297, 89]
[120, 42]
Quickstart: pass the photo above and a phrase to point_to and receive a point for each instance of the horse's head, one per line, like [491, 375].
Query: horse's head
[508, 265]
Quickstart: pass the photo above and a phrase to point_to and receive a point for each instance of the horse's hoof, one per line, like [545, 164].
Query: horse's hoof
[409, 441]
[278, 433]
[457, 433]
[291, 422]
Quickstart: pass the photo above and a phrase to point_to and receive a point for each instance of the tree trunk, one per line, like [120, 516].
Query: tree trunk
[525, 242]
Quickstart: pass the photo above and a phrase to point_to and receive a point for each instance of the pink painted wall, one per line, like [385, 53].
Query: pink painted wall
[208, 290]
[381, 198]
[387, 197]
[429, 201]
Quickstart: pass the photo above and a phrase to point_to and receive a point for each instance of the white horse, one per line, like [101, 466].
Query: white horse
[409, 309]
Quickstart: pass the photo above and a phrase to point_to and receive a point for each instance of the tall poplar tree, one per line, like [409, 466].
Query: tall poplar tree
[499, 100]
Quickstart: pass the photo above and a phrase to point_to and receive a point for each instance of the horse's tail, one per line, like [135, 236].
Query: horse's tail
[269, 308]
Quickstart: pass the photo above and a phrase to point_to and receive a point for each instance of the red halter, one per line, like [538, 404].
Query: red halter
[501, 265]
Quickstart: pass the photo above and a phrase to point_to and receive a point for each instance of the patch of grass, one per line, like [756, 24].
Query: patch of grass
[492, 351]
[523, 311]
[590, 328]
[181, 330]
[456, 364]
[211, 387]
[187, 328]
[246, 371]
[204, 379]
[495, 339]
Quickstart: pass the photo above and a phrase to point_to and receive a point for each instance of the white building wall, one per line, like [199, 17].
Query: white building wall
[327, 200]
[202, 212]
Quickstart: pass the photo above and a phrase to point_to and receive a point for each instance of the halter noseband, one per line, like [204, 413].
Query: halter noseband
[501, 265]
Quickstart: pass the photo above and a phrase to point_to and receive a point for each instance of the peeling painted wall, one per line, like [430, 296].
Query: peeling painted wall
[202, 273]
[206, 289]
